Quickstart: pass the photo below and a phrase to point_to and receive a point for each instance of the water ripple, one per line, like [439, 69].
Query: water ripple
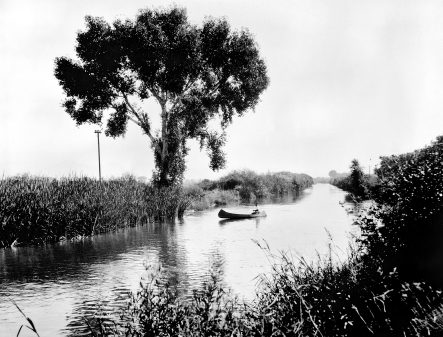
[60, 285]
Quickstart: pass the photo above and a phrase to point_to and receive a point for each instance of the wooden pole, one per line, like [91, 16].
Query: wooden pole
[98, 144]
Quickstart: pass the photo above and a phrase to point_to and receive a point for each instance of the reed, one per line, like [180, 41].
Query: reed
[350, 298]
[215, 197]
[325, 298]
[31, 325]
[36, 210]
[158, 309]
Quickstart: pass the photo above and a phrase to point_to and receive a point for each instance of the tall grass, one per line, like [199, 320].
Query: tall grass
[35, 210]
[31, 323]
[202, 199]
[343, 299]
[381, 289]
[325, 298]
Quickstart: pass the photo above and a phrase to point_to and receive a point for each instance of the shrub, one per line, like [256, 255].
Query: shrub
[251, 185]
[360, 186]
[405, 228]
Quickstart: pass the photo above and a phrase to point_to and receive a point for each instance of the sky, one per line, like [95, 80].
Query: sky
[348, 79]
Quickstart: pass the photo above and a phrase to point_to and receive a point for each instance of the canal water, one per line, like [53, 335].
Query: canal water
[57, 285]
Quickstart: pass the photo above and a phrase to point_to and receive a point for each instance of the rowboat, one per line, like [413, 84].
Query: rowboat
[226, 215]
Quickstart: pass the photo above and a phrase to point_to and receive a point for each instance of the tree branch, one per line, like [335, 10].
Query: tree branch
[140, 122]
[185, 92]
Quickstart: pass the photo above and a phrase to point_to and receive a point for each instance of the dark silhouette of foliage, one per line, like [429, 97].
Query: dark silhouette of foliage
[196, 74]
[359, 185]
[405, 228]
[356, 177]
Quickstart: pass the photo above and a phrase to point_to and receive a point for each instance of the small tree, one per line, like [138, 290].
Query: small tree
[196, 74]
[356, 178]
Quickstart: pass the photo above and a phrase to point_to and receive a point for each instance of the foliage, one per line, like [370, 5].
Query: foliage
[296, 299]
[333, 173]
[405, 227]
[246, 182]
[347, 299]
[384, 288]
[321, 180]
[359, 185]
[196, 74]
[251, 185]
[356, 178]
[36, 210]
[216, 197]
[31, 323]
[158, 310]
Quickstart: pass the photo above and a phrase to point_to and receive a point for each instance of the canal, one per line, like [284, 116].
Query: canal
[57, 285]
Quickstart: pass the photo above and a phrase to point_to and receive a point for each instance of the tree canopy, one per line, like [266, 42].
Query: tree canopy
[196, 74]
[333, 173]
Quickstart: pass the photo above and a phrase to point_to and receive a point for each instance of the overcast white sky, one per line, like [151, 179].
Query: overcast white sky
[349, 79]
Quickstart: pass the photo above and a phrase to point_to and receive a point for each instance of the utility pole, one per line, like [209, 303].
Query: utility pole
[98, 143]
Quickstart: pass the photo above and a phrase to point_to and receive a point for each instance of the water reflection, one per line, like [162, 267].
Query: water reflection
[251, 220]
[57, 285]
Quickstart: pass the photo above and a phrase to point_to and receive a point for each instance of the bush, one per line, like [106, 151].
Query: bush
[360, 186]
[251, 185]
[405, 228]
[347, 299]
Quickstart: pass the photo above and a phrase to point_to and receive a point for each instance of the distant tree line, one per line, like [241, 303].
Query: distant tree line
[250, 184]
[334, 174]
[321, 180]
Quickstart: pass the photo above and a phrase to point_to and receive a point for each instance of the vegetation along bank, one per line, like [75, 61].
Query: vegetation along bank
[36, 210]
[357, 183]
[390, 284]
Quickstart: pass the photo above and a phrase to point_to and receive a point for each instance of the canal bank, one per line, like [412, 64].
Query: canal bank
[56, 285]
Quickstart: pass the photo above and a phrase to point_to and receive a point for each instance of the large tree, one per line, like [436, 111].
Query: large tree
[196, 74]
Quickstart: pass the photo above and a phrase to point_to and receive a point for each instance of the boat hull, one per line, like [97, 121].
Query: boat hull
[226, 215]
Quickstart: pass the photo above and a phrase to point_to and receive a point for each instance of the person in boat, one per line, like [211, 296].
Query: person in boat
[255, 211]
